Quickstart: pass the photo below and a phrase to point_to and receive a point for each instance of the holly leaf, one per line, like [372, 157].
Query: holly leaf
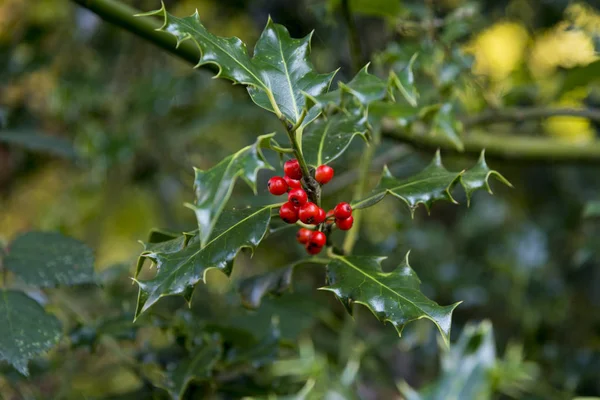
[446, 126]
[26, 330]
[432, 184]
[367, 88]
[214, 186]
[466, 369]
[478, 177]
[196, 368]
[179, 271]
[325, 140]
[254, 288]
[276, 76]
[405, 82]
[48, 259]
[391, 296]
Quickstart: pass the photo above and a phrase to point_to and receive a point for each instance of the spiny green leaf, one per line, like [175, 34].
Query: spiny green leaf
[276, 76]
[405, 82]
[254, 288]
[325, 140]
[287, 72]
[179, 271]
[197, 368]
[391, 296]
[434, 183]
[477, 177]
[366, 88]
[26, 330]
[48, 259]
[214, 186]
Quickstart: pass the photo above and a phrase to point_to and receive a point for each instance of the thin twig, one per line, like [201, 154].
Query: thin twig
[521, 114]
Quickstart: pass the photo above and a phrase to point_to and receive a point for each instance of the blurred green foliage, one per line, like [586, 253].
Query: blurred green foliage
[115, 126]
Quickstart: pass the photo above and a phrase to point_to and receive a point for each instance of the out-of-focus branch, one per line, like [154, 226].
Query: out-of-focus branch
[510, 147]
[521, 114]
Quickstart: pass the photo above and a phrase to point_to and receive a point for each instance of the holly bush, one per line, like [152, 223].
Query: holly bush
[312, 199]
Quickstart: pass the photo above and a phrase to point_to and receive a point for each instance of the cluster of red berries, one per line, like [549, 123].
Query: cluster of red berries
[299, 208]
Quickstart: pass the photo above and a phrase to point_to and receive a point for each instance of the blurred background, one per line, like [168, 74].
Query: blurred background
[99, 131]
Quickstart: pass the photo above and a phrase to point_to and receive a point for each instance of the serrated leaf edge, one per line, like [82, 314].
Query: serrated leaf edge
[143, 305]
[399, 327]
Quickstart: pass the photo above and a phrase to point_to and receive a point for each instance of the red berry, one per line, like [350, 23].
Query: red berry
[320, 216]
[293, 183]
[316, 242]
[342, 210]
[292, 169]
[277, 185]
[288, 213]
[304, 235]
[313, 249]
[309, 213]
[318, 239]
[297, 197]
[344, 224]
[323, 174]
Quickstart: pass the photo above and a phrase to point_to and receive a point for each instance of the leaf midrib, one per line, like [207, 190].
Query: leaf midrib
[219, 236]
[344, 260]
[404, 186]
[287, 74]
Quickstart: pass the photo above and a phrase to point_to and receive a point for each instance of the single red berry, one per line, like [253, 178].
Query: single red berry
[288, 213]
[297, 197]
[293, 183]
[316, 243]
[313, 249]
[292, 169]
[320, 216]
[304, 235]
[342, 210]
[318, 239]
[323, 174]
[309, 213]
[344, 224]
[277, 185]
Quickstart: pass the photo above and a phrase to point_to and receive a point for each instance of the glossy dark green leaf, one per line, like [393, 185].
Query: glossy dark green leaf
[478, 176]
[26, 330]
[366, 88]
[38, 142]
[179, 271]
[48, 259]
[276, 76]
[254, 288]
[391, 296]
[286, 70]
[196, 368]
[466, 368]
[432, 184]
[325, 140]
[214, 186]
